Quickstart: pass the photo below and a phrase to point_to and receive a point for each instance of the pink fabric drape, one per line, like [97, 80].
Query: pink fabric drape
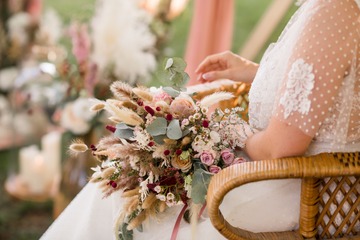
[34, 9]
[211, 32]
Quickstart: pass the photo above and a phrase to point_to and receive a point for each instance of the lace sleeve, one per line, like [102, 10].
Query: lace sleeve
[319, 63]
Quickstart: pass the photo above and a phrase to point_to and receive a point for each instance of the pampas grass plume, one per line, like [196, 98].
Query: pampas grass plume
[215, 98]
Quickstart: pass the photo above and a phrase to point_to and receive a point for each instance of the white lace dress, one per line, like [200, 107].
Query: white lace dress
[309, 79]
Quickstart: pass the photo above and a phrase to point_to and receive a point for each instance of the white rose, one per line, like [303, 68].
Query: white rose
[72, 122]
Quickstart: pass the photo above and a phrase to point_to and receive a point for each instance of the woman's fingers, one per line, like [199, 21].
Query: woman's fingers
[212, 61]
[215, 75]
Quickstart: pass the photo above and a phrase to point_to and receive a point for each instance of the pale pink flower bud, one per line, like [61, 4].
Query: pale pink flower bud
[238, 160]
[214, 169]
[228, 156]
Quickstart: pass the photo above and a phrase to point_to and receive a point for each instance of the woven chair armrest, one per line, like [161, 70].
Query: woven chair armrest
[318, 166]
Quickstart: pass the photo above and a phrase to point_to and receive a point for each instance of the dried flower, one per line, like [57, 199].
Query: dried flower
[78, 146]
[155, 152]
[184, 164]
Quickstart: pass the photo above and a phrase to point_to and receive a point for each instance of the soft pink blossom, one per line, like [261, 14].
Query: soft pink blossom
[207, 158]
[214, 169]
[227, 156]
[163, 96]
[238, 160]
[181, 108]
[80, 41]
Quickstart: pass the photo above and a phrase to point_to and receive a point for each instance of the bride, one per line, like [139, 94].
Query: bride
[304, 99]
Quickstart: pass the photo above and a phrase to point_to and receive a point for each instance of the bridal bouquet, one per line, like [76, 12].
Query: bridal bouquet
[164, 146]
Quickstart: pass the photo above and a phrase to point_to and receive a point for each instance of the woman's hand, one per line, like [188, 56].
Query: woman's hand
[226, 65]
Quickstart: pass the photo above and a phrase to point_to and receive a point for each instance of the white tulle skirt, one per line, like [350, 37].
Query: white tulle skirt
[259, 207]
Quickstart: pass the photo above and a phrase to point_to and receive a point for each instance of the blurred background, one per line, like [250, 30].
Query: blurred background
[55, 55]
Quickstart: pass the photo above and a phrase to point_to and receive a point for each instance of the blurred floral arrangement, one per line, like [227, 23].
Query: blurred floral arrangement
[164, 146]
[59, 80]
[128, 51]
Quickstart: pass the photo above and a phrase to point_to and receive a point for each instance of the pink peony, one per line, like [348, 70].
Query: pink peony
[214, 169]
[227, 156]
[207, 158]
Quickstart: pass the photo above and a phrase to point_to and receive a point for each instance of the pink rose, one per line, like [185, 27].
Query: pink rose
[163, 96]
[214, 169]
[228, 156]
[238, 160]
[181, 108]
[207, 158]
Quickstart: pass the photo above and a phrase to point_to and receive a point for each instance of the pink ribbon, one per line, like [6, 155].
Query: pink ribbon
[177, 223]
[178, 220]
[202, 210]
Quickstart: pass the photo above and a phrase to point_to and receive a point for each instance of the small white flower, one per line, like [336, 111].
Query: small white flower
[215, 136]
[161, 197]
[185, 122]
[197, 115]
[158, 189]
[170, 196]
[204, 110]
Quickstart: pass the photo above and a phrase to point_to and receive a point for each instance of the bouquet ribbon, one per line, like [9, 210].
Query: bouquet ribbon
[178, 220]
[177, 223]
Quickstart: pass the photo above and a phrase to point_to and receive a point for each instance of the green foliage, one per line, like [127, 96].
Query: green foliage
[173, 131]
[199, 184]
[173, 71]
[157, 127]
[125, 234]
[124, 131]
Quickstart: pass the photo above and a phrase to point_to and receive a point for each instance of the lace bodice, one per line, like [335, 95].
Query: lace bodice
[310, 78]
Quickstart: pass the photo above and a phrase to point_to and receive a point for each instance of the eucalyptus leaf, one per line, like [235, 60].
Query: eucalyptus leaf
[169, 63]
[157, 127]
[159, 139]
[186, 131]
[177, 79]
[174, 130]
[199, 185]
[124, 131]
[171, 91]
[179, 64]
[140, 228]
[124, 233]
[162, 76]
[186, 77]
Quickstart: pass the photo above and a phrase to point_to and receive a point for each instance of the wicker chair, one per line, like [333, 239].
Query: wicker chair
[324, 177]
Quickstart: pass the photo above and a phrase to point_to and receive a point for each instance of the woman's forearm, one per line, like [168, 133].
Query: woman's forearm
[276, 141]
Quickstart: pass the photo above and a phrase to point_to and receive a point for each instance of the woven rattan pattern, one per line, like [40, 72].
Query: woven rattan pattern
[339, 202]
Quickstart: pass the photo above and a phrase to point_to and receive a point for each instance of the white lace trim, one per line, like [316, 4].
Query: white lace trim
[298, 88]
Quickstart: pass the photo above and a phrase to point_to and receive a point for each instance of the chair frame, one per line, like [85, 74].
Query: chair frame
[310, 169]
